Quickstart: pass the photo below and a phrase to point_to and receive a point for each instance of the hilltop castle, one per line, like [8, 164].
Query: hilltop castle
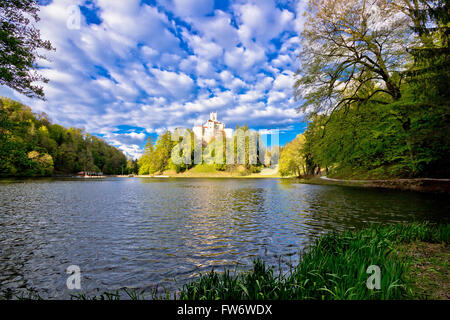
[211, 129]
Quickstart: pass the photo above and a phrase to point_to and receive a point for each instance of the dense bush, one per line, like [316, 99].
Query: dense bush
[30, 145]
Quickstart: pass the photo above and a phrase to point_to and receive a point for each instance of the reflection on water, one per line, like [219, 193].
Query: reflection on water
[146, 232]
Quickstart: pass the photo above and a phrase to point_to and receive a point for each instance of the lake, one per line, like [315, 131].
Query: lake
[143, 232]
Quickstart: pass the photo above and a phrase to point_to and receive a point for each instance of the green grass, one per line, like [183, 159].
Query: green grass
[333, 267]
[204, 168]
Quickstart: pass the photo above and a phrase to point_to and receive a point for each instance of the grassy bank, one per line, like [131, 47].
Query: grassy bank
[413, 260]
[209, 171]
[419, 184]
[335, 267]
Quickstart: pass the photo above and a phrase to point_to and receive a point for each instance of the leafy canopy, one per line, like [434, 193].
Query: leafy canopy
[20, 43]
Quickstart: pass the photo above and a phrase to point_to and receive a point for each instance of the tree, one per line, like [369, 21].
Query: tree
[428, 17]
[145, 161]
[43, 163]
[31, 145]
[428, 80]
[292, 158]
[183, 151]
[163, 151]
[352, 52]
[19, 45]
[374, 82]
[157, 158]
[430, 73]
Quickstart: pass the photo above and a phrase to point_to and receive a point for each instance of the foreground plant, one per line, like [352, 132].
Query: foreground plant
[333, 267]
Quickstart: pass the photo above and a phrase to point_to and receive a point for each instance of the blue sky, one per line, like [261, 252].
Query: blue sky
[137, 68]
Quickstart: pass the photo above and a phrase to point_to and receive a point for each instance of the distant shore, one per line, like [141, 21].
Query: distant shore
[252, 176]
[417, 184]
[209, 171]
[414, 184]
[427, 185]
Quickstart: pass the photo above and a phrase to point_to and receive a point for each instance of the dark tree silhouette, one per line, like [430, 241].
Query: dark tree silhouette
[19, 44]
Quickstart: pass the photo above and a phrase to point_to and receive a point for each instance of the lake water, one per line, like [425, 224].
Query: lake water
[143, 232]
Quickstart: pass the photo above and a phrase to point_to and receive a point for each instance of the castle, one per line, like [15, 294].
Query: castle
[211, 129]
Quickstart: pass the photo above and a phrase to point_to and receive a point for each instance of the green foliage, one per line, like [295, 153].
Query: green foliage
[132, 166]
[397, 140]
[343, 56]
[292, 159]
[403, 130]
[156, 158]
[42, 163]
[204, 168]
[170, 153]
[30, 145]
[254, 169]
[163, 151]
[333, 268]
[182, 154]
[20, 42]
[144, 162]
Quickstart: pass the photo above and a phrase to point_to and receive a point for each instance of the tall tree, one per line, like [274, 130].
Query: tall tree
[145, 162]
[430, 73]
[352, 52]
[292, 158]
[31, 145]
[19, 45]
[163, 150]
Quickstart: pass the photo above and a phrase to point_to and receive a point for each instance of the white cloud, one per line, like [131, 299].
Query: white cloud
[143, 68]
[275, 96]
[262, 20]
[203, 48]
[244, 58]
[179, 85]
[207, 104]
[250, 96]
[218, 28]
[284, 81]
[136, 136]
[209, 83]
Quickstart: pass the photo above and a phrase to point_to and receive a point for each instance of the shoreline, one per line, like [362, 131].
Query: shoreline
[198, 176]
[426, 185]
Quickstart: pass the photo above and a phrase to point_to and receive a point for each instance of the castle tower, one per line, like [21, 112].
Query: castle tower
[211, 129]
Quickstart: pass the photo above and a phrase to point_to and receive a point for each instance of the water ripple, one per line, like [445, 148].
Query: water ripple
[144, 232]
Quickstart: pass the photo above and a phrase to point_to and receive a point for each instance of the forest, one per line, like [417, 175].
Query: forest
[30, 145]
[175, 151]
[373, 83]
